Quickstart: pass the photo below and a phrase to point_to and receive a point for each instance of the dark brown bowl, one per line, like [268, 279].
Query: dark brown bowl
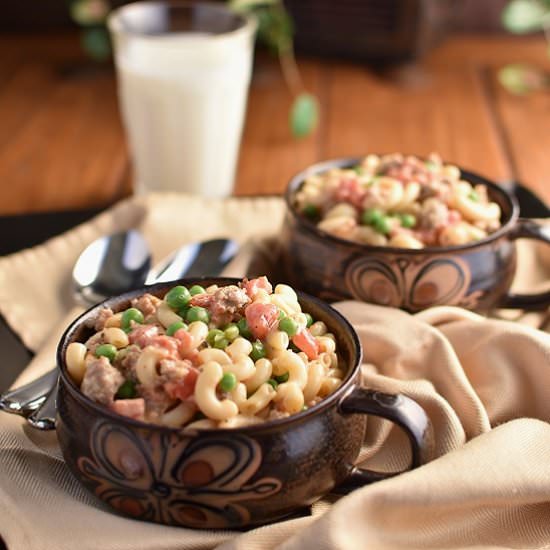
[475, 276]
[229, 478]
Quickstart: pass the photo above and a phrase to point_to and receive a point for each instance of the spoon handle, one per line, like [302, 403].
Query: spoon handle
[43, 418]
[24, 400]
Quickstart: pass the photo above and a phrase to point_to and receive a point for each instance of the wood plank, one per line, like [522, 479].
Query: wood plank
[526, 124]
[524, 121]
[417, 111]
[269, 155]
[63, 146]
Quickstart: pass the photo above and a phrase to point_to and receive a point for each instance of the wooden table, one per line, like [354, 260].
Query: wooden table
[62, 145]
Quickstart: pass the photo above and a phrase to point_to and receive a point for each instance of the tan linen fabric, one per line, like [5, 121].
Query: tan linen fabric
[485, 385]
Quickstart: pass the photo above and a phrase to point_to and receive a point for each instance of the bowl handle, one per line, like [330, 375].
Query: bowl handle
[528, 229]
[397, 408]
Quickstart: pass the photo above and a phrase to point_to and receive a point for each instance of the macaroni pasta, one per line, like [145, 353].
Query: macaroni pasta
[221, 357]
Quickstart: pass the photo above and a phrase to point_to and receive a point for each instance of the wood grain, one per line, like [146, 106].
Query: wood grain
[62, 145]
[418, 111]
[270, 156]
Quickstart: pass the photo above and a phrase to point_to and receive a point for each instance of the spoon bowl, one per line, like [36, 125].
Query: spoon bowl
[109, 266]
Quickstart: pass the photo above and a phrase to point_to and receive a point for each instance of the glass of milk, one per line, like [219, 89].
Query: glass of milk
[183, 75]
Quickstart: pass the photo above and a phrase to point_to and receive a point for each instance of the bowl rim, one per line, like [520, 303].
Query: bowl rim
[347, 385]
[347, 162]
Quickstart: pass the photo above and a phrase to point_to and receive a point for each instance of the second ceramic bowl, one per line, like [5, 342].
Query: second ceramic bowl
[475, 276]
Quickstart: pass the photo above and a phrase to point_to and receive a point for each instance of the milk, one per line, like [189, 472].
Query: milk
[183, 99]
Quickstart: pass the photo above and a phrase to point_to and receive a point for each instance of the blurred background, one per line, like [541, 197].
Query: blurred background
[464, 15]
[388, 75]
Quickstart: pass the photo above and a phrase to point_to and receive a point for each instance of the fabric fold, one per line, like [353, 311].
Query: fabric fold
[483, 383]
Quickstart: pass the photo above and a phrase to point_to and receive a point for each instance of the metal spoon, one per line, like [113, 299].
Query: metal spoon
[108, 266]
[195, 259]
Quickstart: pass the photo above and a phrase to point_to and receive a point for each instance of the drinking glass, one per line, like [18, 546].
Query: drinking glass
[183, 74]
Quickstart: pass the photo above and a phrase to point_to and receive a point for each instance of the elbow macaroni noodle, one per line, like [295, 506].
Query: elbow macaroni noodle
[236, 369]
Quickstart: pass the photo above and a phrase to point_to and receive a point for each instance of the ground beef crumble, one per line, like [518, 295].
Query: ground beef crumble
[101, 381]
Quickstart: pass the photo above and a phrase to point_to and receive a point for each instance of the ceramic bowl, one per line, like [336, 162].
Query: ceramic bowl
[475, 276]
[226, 478]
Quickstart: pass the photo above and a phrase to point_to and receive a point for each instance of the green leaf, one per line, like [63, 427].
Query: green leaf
[275, 27]
[304, 115]
[96, 43]
[521, 79]
[89, 12]
[250, 5]
[523, 16]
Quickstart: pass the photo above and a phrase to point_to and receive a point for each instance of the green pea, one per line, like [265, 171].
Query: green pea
[273, 383]
[228, 381]
[221, 342]
[311, 211]
[373, 180]
[473, 195]
[383, 225]
[126, 390]
[309, 320]
[431, 165]
[213, 334]
[131, 314]
[358, 169]
[106, 350]
[182, 311]
[244, 329]
[231, 331]
[258, 350]
[174, 327]
[177, 297]
[371, 215]
[282, 314]
[282, 378]
[197, 313]
[407, 220]
[288, 325]
[197, 289]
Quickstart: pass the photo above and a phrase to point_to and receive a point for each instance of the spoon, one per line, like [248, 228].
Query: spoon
[192, 260]
[108, 266]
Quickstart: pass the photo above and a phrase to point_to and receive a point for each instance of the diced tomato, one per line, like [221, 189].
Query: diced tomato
[143, 335]
[306, 342]
[350, 190]
[166, 343]
[183, 388]
[132, 408]
[261, 283]
[261, 318]
[454, 216]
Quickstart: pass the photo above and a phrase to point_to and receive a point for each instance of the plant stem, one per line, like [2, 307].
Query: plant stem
[546, 27]
[289, 67]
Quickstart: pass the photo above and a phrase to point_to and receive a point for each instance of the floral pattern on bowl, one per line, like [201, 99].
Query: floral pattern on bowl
[171, 478]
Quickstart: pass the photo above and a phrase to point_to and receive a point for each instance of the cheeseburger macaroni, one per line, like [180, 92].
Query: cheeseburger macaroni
[216, 357]
[399, 201]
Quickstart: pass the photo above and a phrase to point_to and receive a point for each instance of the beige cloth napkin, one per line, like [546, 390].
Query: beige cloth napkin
[485, 385]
